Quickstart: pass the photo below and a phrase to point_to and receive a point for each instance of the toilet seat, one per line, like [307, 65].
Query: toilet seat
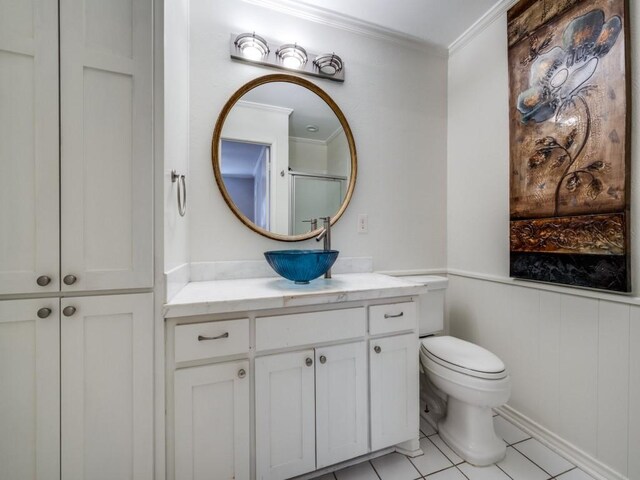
[463, 357]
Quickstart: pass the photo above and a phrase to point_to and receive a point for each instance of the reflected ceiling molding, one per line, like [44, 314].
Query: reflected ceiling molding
[252, 48]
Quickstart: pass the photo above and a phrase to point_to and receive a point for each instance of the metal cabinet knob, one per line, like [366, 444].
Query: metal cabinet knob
[44, 312]
[377, 349]
[323, 359]
[43, 280]
[68, 311]
[242, 373]
[308, 362]
[69, 279]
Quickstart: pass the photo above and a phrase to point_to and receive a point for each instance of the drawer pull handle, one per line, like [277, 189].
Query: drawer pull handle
[202, 338]
[377, 349]
[388, 315]
[308, 362]
[242, 373]
[323, 359]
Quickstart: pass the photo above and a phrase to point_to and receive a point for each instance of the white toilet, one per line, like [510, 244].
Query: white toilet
[462, 382]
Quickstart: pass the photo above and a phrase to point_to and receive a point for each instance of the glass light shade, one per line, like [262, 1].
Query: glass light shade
[328, 63]
[252, 46]
[292, 56]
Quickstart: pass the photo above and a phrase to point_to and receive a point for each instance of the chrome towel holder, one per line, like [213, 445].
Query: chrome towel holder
[182, 191]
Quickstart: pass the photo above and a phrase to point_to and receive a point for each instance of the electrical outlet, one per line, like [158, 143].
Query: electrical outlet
[363, 223]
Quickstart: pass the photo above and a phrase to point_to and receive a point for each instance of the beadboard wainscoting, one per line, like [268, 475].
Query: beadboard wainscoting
[574, 361]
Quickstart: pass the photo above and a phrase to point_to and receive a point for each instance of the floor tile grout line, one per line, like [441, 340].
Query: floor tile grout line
[539, 466]
[503, 471]
[458, 468]
[374, 469]
[445, 455]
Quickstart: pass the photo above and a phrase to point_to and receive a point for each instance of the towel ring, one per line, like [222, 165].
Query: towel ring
[182, 191]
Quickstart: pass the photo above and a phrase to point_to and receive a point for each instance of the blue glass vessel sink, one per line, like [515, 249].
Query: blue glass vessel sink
[301, 266]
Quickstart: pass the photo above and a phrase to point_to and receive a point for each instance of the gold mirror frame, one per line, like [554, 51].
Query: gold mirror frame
[215, 160]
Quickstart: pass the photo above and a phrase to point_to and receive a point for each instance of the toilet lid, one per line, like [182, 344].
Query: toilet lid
[463, 356]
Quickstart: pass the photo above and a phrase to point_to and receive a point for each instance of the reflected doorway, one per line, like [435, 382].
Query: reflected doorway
[246, 170]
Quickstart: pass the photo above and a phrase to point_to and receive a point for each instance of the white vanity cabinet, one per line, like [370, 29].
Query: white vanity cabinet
[314, 391]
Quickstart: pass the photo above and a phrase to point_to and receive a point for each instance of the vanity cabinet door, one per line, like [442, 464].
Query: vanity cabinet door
[30, 389]
[341, 403]
[394, 390]
[29, 212]
[212, 422]
[285, 415]
[107, 387]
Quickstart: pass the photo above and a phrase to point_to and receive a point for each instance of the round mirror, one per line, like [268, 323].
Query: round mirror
[283, 154]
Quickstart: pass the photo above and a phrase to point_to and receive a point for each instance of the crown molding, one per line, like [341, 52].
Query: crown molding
[264, 106]
[333, 136]
[481, 24]
[349, 24]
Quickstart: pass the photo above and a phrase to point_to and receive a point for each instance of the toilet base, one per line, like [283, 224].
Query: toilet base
[468, 430]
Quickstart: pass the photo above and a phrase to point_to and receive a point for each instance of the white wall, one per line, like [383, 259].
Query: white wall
[176, 128]
[574, 357]
[395, 101]
[307, 156]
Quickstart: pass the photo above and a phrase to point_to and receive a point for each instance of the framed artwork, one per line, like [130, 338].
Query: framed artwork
[569, 142]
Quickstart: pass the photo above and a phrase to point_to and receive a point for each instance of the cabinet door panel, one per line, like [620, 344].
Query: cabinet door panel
[29, 208]
[341, 403]
[106, 143]
[394, 390]
[212, 422]
[107, 388]
[285, 415]
[29, 390]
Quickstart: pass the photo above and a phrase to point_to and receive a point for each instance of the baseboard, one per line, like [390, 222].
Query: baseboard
[578, 457]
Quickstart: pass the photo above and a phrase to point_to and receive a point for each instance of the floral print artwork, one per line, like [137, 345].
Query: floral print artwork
[568, 148]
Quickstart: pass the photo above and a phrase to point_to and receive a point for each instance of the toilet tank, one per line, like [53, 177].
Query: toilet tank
[430, 304]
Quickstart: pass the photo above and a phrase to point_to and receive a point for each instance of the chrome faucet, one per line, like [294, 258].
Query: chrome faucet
[313, 222]
[326, 235]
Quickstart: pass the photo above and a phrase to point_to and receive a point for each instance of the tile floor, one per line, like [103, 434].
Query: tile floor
[527, 459]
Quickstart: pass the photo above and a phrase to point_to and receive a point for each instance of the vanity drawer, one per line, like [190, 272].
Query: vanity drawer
[283, 331]
[211, 339]
[394, 317]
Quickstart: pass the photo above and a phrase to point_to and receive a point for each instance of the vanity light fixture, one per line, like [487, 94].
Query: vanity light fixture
[328, 63]
[252, 48]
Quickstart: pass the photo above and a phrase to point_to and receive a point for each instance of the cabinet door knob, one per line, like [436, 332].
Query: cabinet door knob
[69, 279]
[308, 362]
[377, 349]
[242, 373]
[44, 312]
[68, 311]
[43, 280]
[323, 359]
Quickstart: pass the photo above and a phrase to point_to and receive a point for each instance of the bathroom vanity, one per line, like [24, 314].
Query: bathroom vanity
[271, 380]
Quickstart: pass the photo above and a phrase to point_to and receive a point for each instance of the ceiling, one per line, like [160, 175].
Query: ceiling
[439, 22]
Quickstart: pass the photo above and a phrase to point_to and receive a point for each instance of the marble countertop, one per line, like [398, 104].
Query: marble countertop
[223, 296]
